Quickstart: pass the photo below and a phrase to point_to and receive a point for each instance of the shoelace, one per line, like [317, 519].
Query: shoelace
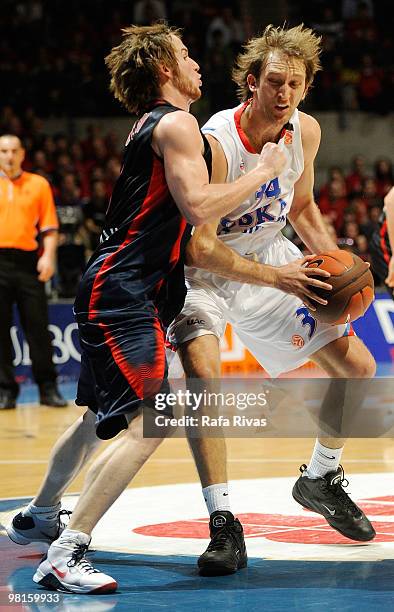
[219, 540]
[78, 558]
[337, 490]
[341, 495]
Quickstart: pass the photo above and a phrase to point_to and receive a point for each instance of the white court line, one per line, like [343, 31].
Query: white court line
[252, 460]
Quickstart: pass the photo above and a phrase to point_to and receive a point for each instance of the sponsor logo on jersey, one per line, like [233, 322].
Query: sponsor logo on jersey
[254, 220]
[287, 134]
[195, 322]
[297, 341]
[306, 319]
[107, 233]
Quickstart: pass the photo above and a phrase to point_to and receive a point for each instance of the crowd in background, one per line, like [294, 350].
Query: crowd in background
[51, 65]
[352, 201]
[52, 53]
[58, 61]
[358, 51]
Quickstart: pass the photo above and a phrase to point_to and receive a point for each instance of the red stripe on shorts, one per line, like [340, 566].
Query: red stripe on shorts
[137, 376]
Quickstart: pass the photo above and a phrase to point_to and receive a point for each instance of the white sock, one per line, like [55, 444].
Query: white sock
[216, 497]
[45, 512]
[323, 460]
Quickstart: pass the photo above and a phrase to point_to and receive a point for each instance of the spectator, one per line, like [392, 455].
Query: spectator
[355, 180]
[335, 204]
[147, 12]
[362, 248]
[72, 238]
[40, 165]
[351, 230]
[370, 86]
[219, 61]
[335, 172]
[370, 194]
[329, 25]
[351, 8]
[384, 179]
[94, 213]
[230, 28]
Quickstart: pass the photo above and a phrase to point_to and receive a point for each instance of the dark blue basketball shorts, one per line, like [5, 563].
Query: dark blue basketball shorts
[122, 363]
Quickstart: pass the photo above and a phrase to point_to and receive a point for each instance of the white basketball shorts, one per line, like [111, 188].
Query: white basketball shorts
[279, 331]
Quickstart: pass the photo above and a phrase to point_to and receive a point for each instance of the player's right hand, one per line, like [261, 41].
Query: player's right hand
[295, 278]
[272, 159]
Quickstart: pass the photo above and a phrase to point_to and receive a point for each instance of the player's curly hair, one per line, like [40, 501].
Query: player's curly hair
[299, 42]
[134, 64]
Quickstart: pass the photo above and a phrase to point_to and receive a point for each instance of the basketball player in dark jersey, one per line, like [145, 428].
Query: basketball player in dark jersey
[381, 245]
[132, 287]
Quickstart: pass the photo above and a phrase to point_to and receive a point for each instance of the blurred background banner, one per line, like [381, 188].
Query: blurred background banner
[64, 332]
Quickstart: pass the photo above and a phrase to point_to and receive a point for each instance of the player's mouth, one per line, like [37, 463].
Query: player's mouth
[282, 108]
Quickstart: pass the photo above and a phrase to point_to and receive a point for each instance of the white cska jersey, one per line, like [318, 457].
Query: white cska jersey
[263, 214]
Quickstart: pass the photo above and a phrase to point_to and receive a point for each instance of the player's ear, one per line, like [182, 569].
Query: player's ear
[164, 73]
[252, 83]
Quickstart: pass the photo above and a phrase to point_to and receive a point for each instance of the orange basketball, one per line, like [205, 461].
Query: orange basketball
[352, 287]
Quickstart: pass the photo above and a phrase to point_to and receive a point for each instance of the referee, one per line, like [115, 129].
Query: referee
[26, 209]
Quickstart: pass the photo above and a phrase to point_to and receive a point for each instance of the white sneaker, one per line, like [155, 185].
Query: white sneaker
[27, 527]
[65, 567]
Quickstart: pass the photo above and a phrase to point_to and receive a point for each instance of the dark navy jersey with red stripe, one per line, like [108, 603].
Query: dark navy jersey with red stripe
[384, 239]
[380, 250]
[140, 256]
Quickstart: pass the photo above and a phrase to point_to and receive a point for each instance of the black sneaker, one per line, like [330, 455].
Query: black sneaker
[327, 497]
[226, 552]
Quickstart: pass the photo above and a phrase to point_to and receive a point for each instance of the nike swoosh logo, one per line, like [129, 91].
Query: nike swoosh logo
[58, 572]
[326, 456]
[225, 494]
[332, 512]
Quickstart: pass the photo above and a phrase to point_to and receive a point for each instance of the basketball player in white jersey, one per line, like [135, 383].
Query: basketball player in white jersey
[270, 310]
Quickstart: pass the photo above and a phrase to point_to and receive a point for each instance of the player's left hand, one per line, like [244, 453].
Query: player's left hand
[389, 280]
[45, 268]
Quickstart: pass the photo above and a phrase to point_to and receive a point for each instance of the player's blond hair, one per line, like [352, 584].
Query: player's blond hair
[134, 64]
[299, 42]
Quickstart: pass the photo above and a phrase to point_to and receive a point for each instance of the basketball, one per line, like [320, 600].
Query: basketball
[352, 287]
